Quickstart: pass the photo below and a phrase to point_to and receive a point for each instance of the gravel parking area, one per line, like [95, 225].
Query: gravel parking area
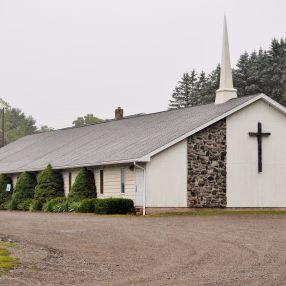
[83, 249]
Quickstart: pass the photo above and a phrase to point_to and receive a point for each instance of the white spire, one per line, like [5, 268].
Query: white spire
[226, 90]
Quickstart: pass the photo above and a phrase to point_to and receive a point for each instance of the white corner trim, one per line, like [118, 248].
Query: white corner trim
[262, 96]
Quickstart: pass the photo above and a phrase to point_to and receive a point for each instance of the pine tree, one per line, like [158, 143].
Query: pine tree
[84, 186]
[201, 88]
[276, 71]
[184, 94]
[181, 93]
[253, 78]
[241, 74]
[211, 85]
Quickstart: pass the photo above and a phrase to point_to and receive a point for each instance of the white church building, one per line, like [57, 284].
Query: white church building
[230, 153]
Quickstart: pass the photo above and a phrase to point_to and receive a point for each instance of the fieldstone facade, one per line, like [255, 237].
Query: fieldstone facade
[207, 167]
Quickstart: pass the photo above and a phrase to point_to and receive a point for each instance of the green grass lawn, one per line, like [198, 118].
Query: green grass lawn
[221, 212]
[7, 261]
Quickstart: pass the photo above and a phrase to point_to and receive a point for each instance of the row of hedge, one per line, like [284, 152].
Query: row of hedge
[45, 191]
[62, 204]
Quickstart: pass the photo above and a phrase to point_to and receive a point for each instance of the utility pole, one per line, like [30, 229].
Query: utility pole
[3, 127]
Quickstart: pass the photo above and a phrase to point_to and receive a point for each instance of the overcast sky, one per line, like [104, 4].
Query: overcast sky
[60, 59]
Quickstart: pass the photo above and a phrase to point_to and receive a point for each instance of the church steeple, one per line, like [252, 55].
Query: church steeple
[226, 90]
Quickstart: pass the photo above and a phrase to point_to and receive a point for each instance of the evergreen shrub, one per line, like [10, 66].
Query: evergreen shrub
[113, 206]
[84, 186]
[56, 205]
[4, 181]
[24, 189]
[35, 206]
[7, 205]
[50, 185]
[25, 205]
[82, 206]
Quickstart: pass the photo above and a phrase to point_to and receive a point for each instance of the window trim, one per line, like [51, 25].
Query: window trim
[122, 180]
[70, 180]
[101, 181]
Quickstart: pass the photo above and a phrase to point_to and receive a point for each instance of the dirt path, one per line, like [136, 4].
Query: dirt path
[77, 249]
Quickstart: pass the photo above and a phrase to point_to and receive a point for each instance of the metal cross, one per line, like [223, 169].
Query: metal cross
[259, 134]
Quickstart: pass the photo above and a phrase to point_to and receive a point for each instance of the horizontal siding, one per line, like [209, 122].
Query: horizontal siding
[112, 183]
[65, 175]
[14, 180]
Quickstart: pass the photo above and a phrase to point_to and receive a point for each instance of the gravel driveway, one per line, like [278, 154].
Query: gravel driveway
[80, 249]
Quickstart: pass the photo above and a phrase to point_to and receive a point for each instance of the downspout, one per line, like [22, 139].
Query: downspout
[144, 186]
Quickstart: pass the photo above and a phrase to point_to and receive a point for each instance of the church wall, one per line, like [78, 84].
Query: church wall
[65, 174]
[14, 179]
[207, 167]
[166, 178]
[112, 182]
[245, 186]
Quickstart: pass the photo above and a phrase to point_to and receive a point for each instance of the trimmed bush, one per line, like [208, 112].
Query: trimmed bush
[25, 205]
[56, 205]
[82, 206]
[50, 185]
[84, 186]
[7, 205]
[4, 181]
[24, 189]
[113, 206]
[35, 206]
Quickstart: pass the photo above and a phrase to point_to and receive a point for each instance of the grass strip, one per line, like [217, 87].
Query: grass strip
[7, 261]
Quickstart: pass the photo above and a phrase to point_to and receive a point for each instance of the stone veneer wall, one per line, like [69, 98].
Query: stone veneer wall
[207, 167]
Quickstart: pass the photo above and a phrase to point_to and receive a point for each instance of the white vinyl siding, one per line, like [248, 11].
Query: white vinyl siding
[166, 177]
[14, 180]
[112, 182]
[65, 174]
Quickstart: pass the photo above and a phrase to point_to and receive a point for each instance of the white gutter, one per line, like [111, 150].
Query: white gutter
[144, 186]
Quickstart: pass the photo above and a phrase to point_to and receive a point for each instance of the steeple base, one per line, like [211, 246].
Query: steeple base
[225, 94]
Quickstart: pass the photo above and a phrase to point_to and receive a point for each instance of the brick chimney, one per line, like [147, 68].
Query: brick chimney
[118, 113]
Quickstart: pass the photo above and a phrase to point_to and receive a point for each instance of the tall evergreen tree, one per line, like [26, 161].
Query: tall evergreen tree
[258, 72]
[276, 71]
[184, 94]
[181, 93]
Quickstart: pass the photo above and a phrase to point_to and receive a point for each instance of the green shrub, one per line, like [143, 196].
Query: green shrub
[84, 186]
[4, 181]
[7, 205]
[56, 205]
[25, 205]
[24, 189]
[113, 206]
[35, 206]
[50, 185]
[82, 206]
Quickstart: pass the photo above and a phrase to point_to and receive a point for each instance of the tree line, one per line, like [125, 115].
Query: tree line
[17, 124]
[262, 71]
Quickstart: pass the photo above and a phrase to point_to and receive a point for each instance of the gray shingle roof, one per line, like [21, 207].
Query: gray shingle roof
[109, 142]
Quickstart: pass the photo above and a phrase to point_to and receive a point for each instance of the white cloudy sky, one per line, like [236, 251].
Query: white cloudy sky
[63, 58]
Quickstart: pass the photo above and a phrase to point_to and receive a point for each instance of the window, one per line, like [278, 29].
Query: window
[70, 180]
[101, 181]
[122, 176]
